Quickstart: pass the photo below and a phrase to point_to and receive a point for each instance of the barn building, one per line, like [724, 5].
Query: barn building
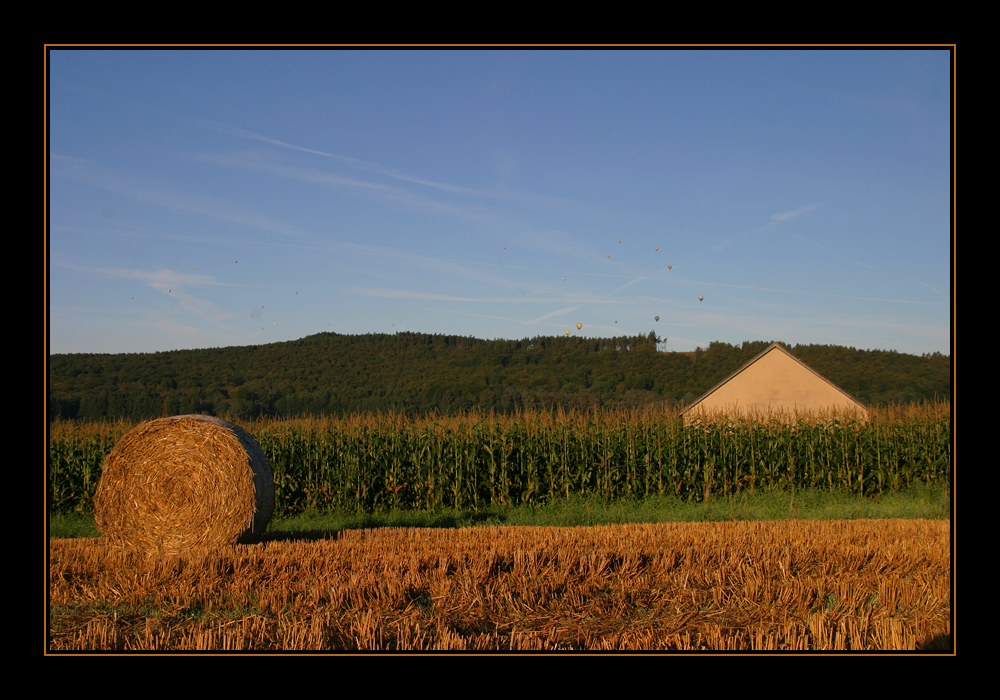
[776, 384]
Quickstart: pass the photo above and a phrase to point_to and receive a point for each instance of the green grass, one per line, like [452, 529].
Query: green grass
[813, 504]
[71, 525]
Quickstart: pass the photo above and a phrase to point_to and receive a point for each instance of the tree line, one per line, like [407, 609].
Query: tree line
[415, 374]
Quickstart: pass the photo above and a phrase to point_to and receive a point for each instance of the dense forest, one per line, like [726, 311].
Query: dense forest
[413, 373]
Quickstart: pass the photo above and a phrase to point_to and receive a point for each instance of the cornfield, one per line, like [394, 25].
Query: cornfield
[372, 463]
[791, 586]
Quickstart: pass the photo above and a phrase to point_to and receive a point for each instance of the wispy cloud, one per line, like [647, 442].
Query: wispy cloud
[383, 292]
[553, 314]
[783, 218]
[161, 279]
[465, 203]
[261, 138]
[346, 160]
[793, 214]
[136, 189]
[823, 294]
[830, 252]
[775, 220]
[170, 283]
[527, 198]
[628, 284]
[377, 191]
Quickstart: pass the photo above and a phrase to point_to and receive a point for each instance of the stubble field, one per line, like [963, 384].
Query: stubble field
[857, 585]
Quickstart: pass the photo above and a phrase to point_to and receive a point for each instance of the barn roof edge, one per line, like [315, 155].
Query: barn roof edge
[758, 356]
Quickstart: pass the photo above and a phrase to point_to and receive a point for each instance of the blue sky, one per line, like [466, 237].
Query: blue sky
[210, 198]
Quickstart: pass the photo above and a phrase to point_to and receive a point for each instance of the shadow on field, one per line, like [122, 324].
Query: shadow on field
[313, 530]
[292, 535]
[942, 642]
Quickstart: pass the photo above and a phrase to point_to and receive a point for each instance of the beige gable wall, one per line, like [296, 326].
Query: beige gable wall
[776, 382]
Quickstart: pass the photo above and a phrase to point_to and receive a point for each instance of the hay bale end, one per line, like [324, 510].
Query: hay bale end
[182, 483]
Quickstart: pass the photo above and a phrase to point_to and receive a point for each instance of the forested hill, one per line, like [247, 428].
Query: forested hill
[416, 373]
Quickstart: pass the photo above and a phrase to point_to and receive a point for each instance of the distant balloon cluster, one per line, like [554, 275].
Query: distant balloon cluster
[257, 314]
[579, 326]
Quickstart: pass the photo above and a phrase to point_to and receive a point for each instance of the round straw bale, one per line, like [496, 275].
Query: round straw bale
[185, 482]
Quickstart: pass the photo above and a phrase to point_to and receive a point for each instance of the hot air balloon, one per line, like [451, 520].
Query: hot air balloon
[579, 326]
[657, 248]
[701, 298]
[657, 318]
[567, 332]
[670, 267]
